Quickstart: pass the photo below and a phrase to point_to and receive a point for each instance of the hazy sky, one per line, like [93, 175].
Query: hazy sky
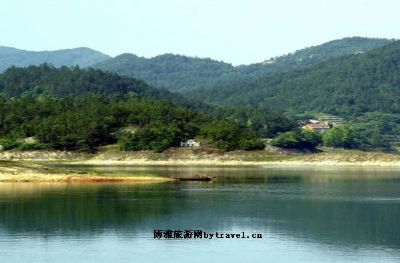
[235, 31]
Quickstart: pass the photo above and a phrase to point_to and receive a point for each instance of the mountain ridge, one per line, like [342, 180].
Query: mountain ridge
[81, 56]
[348, 85]
[184, 73]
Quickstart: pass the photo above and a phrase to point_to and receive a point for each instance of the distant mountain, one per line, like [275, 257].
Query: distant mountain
[173, 72]
[82, 57]
[313, 55]
[182, 74]
[348, 85]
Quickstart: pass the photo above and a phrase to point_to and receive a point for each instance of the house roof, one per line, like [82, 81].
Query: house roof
[313, 121]
[316, 126]
[190, 140]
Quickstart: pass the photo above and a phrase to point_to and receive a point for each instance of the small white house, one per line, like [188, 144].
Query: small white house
[30, 140]
[190, 143]
[313, 121]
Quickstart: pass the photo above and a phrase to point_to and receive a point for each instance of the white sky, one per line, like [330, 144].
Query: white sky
[235, 31]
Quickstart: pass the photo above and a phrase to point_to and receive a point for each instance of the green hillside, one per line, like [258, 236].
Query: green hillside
[314, 55]
[173, 72]
[81, 109]
[346, 86]
[67, 82]
[82, 57]
[74, 109]
[181, 73]
[362, 88]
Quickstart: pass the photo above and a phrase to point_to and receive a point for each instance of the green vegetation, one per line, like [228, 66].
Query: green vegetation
[32, 146]
[153, 138]
[360, 136]
[45, 80]
[8, 144]
[182, 74]
[348, 86]
[230, 135]
[74, 109]
[85, 122]
[173, 72]
[82, 57]
[298, 139]
[362, 88]
[355, 137]
[265, 123]
[343, 137]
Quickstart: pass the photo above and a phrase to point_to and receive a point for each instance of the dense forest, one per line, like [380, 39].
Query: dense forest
[69, 82]
[181, 73]
[88, 121]
[173, 72]
[81, 109]
[348, 86]
[363, 88]
[75, 109]
[47, 80]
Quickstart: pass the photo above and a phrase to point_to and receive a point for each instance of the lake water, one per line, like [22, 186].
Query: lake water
[304, 215]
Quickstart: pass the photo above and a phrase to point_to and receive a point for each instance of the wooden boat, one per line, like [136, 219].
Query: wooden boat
[199, 177]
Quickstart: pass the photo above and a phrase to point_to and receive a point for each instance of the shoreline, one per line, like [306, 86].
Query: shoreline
[51, 178]
[236, 163]
[19, 172]
[40, 170]
[273, 157]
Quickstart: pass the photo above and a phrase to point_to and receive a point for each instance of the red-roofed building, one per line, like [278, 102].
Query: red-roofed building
[317, 127]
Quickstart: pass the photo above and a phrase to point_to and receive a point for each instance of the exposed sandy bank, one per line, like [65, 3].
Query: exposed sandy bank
[110, 155]
[326, 157]
[16, 172]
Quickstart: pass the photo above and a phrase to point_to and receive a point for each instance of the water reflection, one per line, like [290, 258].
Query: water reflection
[318, 207]
[72, 209]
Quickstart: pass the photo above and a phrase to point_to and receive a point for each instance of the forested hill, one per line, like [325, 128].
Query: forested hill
[316, 54]
[349, 85]
[69, 82]
[173, 72]
[74, 109]
[181, 73]
[82, 57]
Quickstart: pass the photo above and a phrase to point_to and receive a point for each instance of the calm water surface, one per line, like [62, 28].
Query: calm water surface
[304, 215]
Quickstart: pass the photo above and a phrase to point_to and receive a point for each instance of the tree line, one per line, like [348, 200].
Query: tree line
[75, 109]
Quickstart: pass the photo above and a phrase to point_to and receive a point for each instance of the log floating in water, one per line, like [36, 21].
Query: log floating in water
[199, 177]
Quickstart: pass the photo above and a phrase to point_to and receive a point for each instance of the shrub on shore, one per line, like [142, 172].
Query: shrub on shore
[9, 144]
[151, 138]
[299, 139]
[32, 146]
[229, 135]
